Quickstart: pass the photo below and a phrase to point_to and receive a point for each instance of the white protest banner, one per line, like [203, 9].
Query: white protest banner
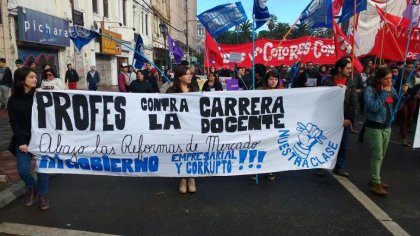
[191, 134]
[416, 143]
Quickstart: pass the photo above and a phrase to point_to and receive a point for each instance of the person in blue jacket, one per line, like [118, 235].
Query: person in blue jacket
[380, 99]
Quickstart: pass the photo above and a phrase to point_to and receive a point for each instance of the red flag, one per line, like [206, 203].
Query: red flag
[212, 53]
[343, 47]
[336, 6]
[393, 19]
[391, 40]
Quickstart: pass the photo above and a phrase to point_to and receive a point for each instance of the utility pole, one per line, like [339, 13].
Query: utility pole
[186, 29]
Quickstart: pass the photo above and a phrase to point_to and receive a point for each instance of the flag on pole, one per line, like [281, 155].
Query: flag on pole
[343, 47]
[213, 54]
[393, 37]
[175, 50]
[348, 9]
[336, 6]
[139, 53]
[81, 36]
[353, 35]
[412, 13]
[318, 14]
[260, 12]
[221, 18]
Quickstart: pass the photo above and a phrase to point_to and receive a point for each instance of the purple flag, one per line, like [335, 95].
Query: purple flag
[412, 12]
[175, 50]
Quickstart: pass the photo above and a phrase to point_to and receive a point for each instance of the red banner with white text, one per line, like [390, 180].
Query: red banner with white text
[271, 53]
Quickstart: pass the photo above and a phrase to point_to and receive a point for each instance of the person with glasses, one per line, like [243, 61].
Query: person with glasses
[51, 82]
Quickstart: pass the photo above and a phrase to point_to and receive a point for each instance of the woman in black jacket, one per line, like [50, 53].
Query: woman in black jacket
[212, 83]
[140, 85]
[20, 112]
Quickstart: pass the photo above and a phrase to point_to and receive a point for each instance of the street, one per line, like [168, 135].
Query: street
[296, 203]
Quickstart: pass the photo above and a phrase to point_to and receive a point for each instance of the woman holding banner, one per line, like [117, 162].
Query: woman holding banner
[182, 84]
[272, 81]
[379, 98]
[20, 112]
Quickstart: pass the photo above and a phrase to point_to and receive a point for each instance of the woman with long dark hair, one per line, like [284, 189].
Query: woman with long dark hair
[212, 83]
[380, 97]
[182, 84]
[20, 112]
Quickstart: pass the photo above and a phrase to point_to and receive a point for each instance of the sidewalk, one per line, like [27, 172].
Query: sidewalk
[14, 187]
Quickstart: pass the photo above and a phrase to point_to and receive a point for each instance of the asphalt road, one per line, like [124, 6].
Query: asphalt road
[296, 203]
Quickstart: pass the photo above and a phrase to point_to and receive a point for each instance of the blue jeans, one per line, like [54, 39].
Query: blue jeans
[24, 170]
[342, 152]
[93, 86]
[4, 95]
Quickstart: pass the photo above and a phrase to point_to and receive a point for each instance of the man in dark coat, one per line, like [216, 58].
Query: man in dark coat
[71, 77]
[93, 78]
[6, 81]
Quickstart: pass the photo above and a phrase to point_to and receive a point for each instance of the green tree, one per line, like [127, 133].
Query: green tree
[228, 37]
[246, 29]
[300, 30]
[264, 34]
[271, 24]
[280, 30]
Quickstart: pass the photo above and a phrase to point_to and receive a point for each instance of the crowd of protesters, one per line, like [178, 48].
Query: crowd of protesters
[365, 95]
[374, 93]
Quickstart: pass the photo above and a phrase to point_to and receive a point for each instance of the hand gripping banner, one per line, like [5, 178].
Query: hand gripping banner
[194, 134]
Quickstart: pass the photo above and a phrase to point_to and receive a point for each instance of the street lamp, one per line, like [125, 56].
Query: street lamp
[164, 31]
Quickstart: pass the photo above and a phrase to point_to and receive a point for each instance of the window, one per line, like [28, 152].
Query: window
[142, 22]
[135, 19]
[95, 6]
[105, 8]
[146, 20]
[124, 12]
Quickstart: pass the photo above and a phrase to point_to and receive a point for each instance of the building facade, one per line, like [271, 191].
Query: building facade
[114, 20]
[183, 21]
[201, 37]
[160, 10]
[36, 33]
